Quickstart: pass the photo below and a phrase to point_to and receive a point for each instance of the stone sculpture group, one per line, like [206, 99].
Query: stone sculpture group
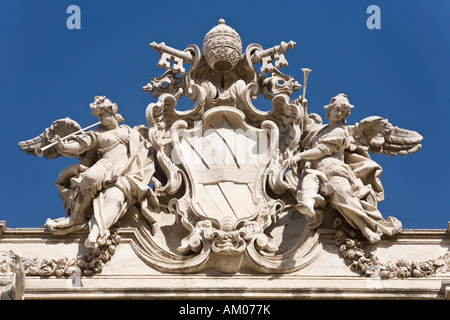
[227, 170]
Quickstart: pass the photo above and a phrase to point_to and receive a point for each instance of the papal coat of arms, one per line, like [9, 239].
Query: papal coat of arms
[248, 188]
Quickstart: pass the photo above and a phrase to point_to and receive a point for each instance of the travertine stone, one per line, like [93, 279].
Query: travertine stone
[251, 203]
[327, 277]
[446, 289]
[11, 262]
[116, 167]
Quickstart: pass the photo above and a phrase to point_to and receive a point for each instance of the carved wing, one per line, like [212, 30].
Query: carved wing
[377, 135]
[61, 127]
[143, 130]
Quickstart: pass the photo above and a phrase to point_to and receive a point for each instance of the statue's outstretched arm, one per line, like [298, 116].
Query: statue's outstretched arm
[18, 286]
[315, 153]
[70, 147]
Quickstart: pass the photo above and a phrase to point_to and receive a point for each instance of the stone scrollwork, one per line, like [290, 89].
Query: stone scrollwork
[208, 151]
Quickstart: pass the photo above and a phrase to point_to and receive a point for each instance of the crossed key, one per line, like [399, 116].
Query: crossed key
[169, 55]
[276, 54]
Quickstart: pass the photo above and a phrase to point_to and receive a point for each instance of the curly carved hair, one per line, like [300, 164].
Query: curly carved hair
[101, 105]
[341, 100]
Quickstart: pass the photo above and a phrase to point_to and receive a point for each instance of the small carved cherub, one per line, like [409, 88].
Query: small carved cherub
[337, 169]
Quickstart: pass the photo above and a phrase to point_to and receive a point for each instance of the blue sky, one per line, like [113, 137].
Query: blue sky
[400, 72]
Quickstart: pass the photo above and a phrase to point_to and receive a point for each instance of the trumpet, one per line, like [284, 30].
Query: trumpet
[40, 151]
[306, 71]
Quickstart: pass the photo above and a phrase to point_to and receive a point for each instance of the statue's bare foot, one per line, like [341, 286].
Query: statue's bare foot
[92, 239]
[370, 235]
[90, 244]
[50, 225]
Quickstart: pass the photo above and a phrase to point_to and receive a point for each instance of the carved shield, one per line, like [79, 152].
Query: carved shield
[227, 162]
[218, 167]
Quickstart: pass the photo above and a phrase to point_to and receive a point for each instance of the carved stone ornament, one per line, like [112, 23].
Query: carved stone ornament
[12, 263]
[369, 265]
[248, 188]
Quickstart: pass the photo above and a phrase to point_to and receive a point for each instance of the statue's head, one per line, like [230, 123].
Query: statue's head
[340, 101]
[222, 47]
[103, 105]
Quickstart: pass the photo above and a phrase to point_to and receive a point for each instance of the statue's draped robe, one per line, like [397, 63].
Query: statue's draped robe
[114, 158]
[357, 196]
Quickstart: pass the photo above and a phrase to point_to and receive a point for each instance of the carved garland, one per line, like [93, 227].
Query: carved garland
[345, 237]
[89, 264]
[368, 265]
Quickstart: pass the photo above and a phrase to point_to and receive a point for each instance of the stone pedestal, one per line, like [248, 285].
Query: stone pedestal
[126, 276]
